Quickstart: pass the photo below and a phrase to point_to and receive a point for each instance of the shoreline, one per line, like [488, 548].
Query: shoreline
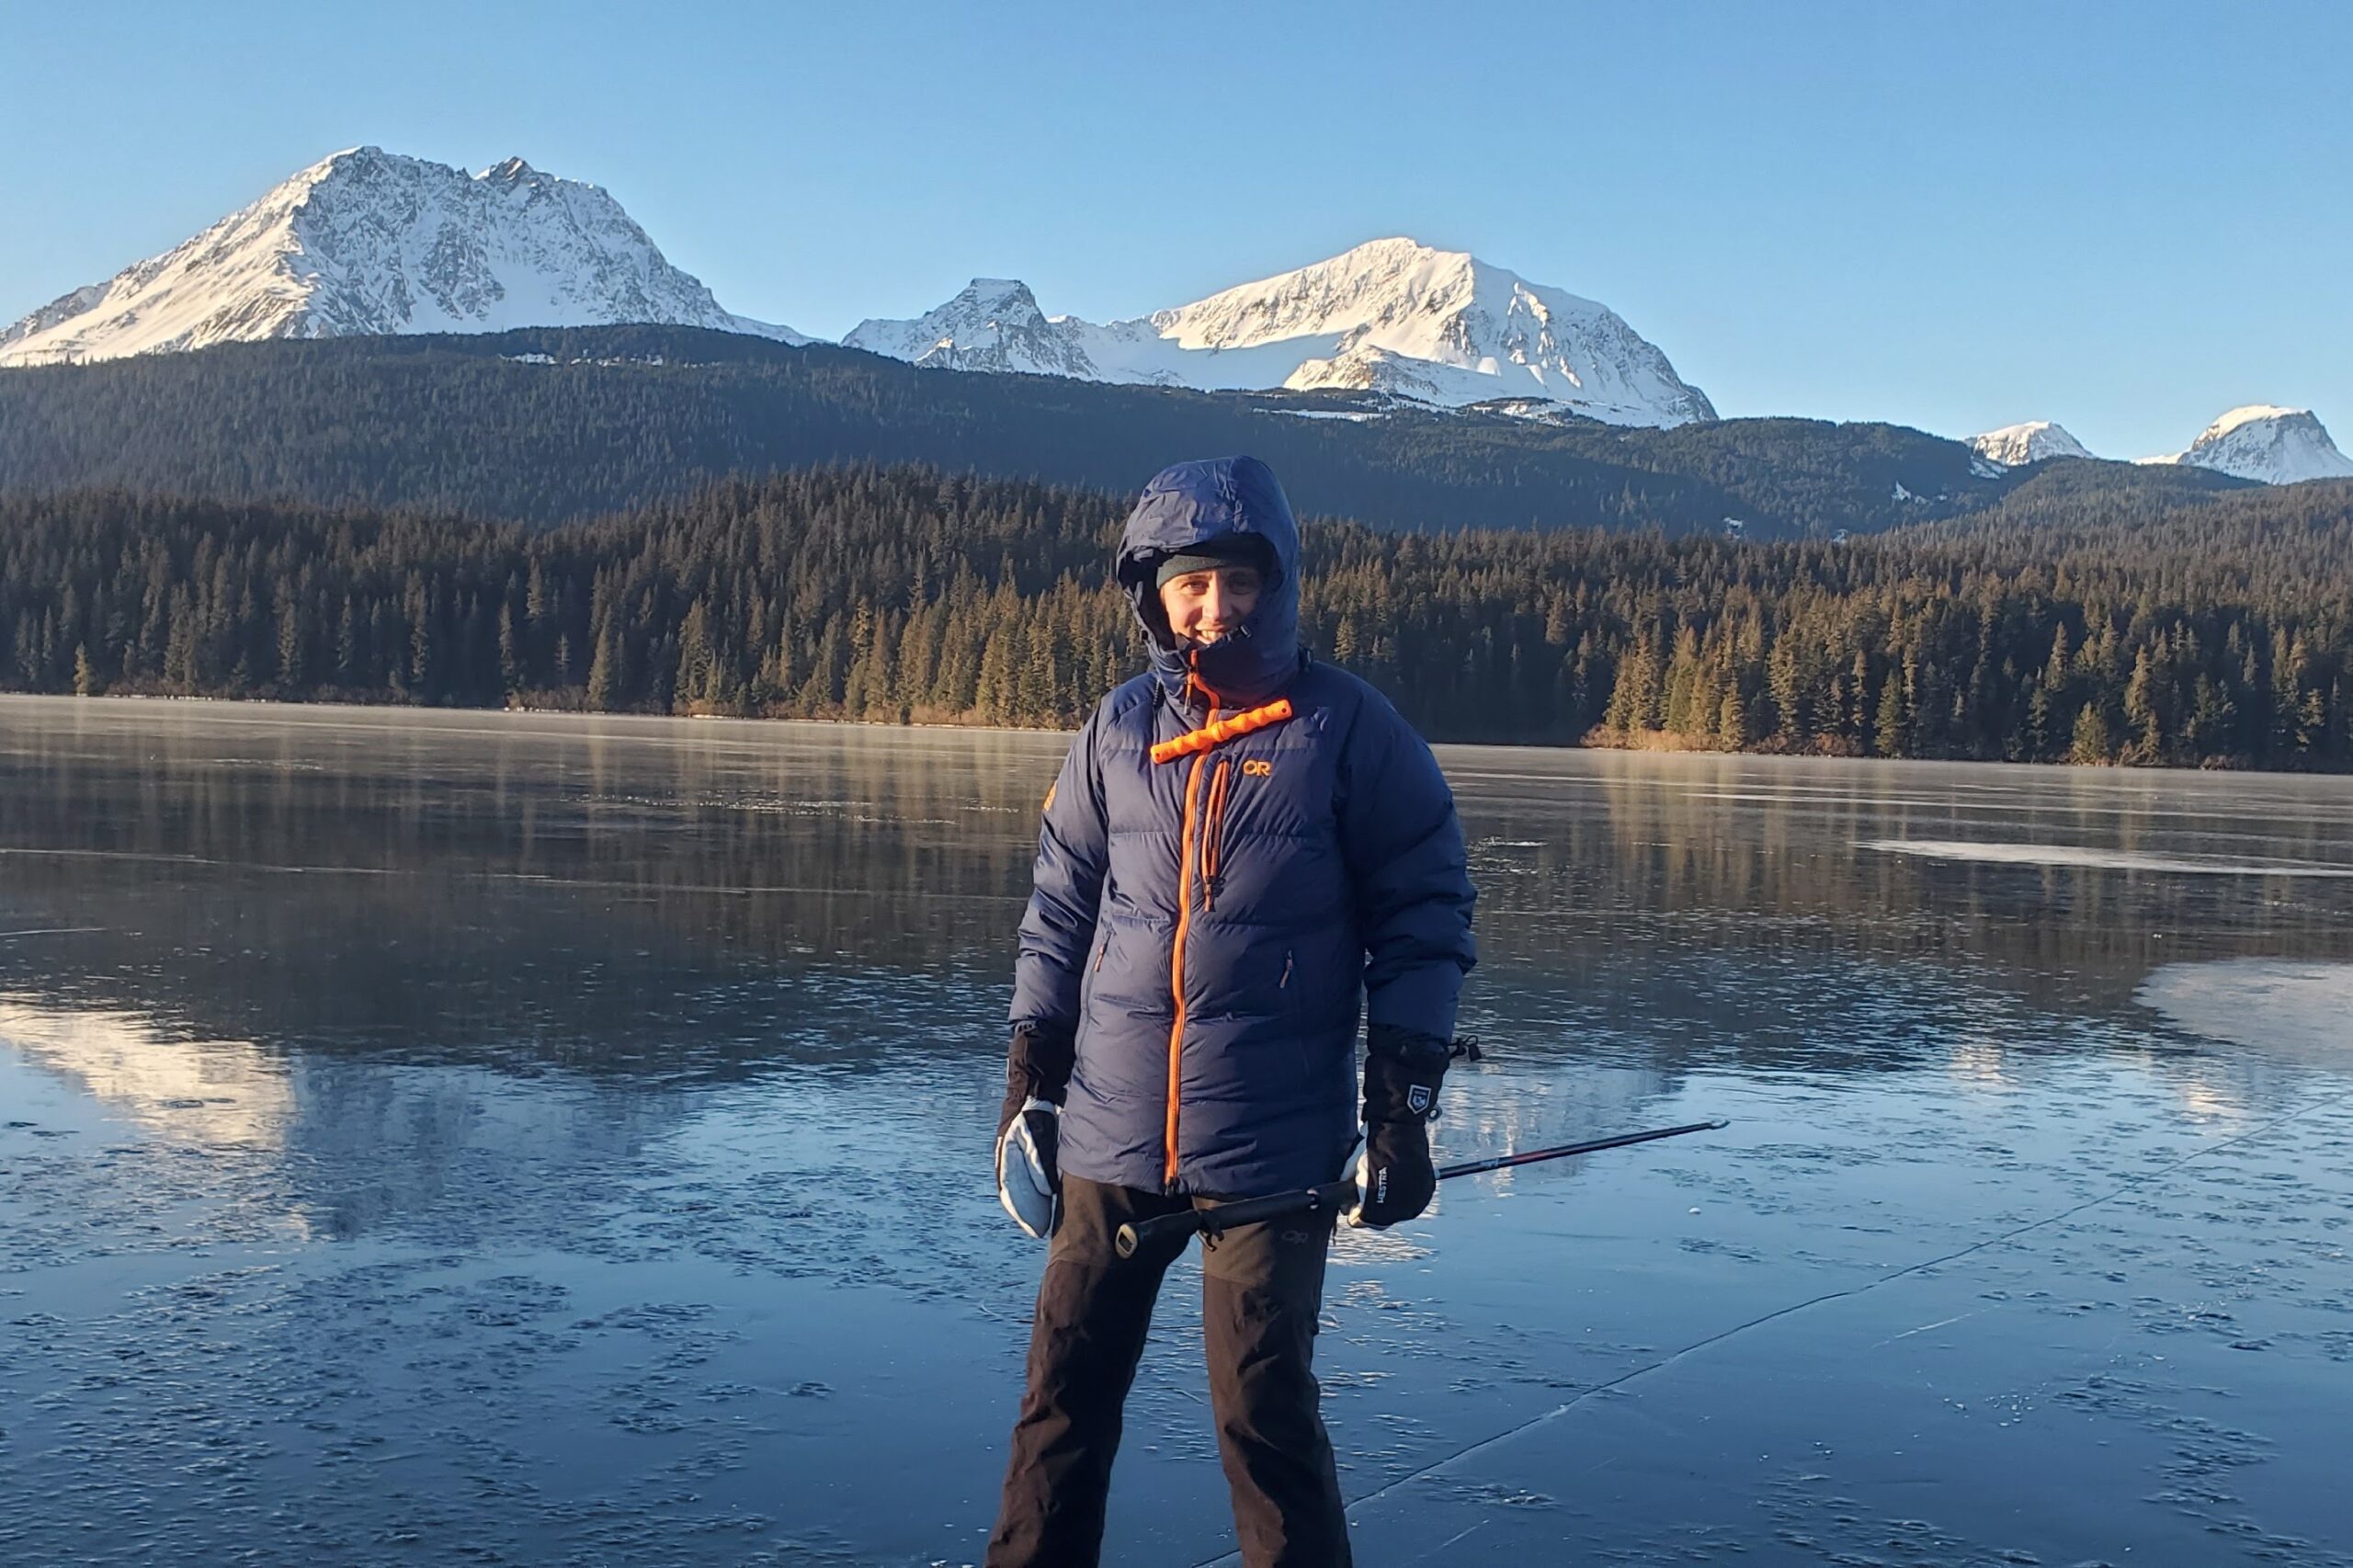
[1660, 743]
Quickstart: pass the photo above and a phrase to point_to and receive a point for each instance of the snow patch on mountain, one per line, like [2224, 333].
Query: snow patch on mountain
[1392, 316]
[368, 242]
[2014, 444]
[2262, 441]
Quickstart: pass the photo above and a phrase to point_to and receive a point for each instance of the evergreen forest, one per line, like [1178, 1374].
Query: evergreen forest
[2066, 623]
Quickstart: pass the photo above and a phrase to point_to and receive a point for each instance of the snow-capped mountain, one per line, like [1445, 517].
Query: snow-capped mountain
[1398, 316]
[2014, 444]
[994, 324]
[1393, 316]
[2278, 446]
[368, 241]
[371, 243]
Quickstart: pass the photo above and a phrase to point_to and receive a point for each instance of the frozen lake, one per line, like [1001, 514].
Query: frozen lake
[431, 1137]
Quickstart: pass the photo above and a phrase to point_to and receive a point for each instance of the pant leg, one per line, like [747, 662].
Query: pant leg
[1262, 1288]
[1094, 1310]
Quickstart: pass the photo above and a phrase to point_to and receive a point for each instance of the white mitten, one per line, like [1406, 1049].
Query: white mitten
[1029, 1174]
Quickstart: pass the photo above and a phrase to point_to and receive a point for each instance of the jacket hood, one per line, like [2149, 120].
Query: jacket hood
[1187, 505]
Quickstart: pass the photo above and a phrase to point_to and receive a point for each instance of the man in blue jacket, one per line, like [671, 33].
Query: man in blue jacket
[1244, 847]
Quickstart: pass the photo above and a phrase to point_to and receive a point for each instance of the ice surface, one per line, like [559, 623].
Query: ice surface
[2267, 1003]
[2096, 858]
[217, 1091]
[563, 1140]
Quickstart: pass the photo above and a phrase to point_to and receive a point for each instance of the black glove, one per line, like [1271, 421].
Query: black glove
[1394, 1177]
[1029, 1128]
[1402, 1073]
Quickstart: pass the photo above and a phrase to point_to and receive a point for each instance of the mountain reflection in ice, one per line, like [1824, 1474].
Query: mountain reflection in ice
[559, 1138]
[219, 1092]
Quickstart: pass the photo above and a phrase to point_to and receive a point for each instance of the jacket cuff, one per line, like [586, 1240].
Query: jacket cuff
[1421, 1001]
[1411, 1048]
[1038, 1063]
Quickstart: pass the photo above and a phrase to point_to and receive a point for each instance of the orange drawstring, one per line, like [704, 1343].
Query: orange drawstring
[1193, 682]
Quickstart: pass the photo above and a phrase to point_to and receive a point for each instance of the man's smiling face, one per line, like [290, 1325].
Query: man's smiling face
[1202, 607]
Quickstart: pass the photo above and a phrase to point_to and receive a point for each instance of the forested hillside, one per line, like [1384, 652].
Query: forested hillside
[548, 425]
[2065, 624]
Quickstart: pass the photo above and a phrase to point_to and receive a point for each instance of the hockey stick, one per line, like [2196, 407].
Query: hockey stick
[1341, 1195]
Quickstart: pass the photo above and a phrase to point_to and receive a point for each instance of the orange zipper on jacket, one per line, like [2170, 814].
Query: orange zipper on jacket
[1213, 831]
[1177, 963]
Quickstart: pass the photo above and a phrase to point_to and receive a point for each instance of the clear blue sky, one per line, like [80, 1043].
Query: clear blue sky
[2123, 217]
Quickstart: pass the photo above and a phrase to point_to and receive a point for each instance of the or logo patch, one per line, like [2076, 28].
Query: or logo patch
[1256, 767]
[1049, 794]
[1419, 1098]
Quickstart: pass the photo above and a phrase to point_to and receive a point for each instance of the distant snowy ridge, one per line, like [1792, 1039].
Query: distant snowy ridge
[2278, 446]
[994, 324]
[370, 242]
[1392, 316]
[2013, 446]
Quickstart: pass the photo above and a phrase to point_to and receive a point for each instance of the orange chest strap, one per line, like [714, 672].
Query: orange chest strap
[1224, 730]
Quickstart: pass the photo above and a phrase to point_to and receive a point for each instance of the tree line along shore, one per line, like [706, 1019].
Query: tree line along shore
[2090, 627]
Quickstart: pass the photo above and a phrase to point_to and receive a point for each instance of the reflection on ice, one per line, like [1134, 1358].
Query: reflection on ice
[1982, 1064]
[214, 1092]
[2300, 1010]
[2097, 859]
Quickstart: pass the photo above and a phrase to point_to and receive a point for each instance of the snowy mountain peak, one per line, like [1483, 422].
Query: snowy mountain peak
[1393, 315]
[2248, 414]
[1380, 280]
[2263, 441]
[1003, 290]
[1397, 315]
[993, 324]
[2014, 444]
[369, 241]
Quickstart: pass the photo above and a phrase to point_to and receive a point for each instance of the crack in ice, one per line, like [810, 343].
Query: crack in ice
[1856, 1291]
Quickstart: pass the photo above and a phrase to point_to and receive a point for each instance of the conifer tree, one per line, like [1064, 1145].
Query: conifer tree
[2091, 747]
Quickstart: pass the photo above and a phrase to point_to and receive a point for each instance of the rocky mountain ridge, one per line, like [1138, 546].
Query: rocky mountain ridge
[1392, 316]
[367, 243]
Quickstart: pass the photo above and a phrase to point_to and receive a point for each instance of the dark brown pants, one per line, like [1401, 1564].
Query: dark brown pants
[1261, 1289]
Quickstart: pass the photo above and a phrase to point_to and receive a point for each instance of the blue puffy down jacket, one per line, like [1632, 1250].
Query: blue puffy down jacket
[1206, 925]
